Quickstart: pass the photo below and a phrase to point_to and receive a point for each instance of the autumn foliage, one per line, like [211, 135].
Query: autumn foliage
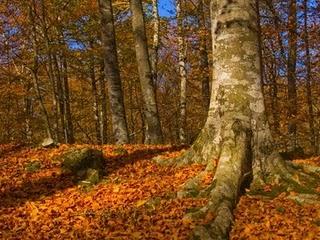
[135, 200]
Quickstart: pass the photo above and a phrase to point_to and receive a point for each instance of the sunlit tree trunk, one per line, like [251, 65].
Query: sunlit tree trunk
[308, 78]
[236, 132]
[153, 127]
[292, 88]
[50, 71]
[59, 91]
[112, 73]
[95, 105]
[34, 71]
[155, 44]
[182, 74]
[103, 105]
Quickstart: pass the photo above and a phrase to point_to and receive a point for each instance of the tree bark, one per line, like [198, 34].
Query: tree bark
[204, 62]
[60, 94]
[155, 44]
[34, 71]
[292, 88]
[308, 79]
[153, 127]
[182, 73]
[50, 67]
[103, 105]
[112, 73]
[95, 105]
[69, 135]
[236, 132]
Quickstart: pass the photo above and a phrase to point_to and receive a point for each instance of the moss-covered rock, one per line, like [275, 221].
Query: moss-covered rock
[33, 166]
[86, 164]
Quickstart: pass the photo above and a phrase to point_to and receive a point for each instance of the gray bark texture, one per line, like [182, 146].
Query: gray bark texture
[236, 132]
[34, 71]
[153, 127]
[112, 73]
[155, 44]
[182, 74]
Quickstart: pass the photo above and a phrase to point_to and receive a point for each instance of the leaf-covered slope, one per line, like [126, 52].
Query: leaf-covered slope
[135, 200]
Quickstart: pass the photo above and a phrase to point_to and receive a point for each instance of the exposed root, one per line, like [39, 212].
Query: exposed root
[286, 176]
[223, 192]
[195, 187]
[235, 158]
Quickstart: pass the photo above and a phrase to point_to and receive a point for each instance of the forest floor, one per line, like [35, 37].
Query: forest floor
[135, 200]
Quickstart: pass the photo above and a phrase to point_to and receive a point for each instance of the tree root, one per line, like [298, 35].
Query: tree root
[214, 220]
[287, 176]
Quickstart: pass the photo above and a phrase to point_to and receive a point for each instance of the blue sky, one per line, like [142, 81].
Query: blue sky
[166, 8]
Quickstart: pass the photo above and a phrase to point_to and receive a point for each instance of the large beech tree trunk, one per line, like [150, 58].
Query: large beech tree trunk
[112, 73]
[236, 132]
[153, 127]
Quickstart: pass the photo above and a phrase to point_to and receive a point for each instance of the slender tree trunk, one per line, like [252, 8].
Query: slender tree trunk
[50, 71]
[34, 72]
[69, 135]
[112, 73]
[274, 100]
[60, 94]
[153, 131]
[277, 22]
[95, 105]
[292, 61]
[102, 106]
[155, 44]
[204, 62]
[182, 73]
[28, 109]
[308, 79]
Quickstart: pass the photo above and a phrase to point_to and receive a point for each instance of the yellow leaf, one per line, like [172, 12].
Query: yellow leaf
[136, 235]
[140, 203]
[116, 189]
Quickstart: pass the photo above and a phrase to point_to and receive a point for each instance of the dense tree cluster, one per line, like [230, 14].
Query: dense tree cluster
[113, 72]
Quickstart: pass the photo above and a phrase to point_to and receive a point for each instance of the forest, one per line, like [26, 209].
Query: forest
[169, 119]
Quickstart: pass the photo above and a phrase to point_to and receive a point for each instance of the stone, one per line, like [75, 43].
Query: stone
[86, 164]
[48, 142]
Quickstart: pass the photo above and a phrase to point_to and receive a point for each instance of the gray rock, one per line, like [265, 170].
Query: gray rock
[48, 142]
[86, 164]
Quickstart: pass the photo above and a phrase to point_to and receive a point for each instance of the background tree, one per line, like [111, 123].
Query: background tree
[152, 121]
[112, 73]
